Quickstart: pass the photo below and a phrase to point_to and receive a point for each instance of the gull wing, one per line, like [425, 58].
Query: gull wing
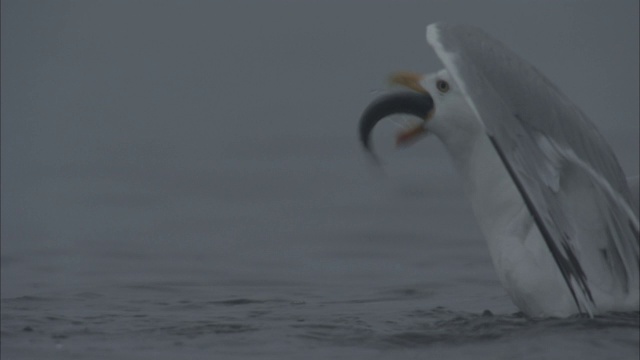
[566, 173]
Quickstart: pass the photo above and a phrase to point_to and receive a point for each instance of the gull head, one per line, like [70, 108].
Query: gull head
[434, 99]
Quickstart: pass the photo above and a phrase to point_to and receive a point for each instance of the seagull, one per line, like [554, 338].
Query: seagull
[557, 212]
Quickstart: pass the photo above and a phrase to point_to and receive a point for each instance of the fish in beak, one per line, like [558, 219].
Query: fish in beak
[418, 103]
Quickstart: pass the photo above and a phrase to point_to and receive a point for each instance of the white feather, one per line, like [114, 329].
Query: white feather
[548, 192]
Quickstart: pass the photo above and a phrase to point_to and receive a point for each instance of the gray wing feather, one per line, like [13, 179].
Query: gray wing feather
[565, 168]
[634, 186]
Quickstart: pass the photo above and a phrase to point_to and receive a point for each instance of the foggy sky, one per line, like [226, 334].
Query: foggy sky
[172, 97]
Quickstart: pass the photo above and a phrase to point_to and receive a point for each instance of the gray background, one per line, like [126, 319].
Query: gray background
[213, 144]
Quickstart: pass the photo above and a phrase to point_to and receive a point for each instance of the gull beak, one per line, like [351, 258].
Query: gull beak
[410, 135]
[417, 102]
[409, 80]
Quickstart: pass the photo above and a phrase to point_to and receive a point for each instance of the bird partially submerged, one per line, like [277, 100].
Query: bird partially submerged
[546, 189]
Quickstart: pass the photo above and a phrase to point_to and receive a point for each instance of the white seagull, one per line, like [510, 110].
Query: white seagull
[557, 212]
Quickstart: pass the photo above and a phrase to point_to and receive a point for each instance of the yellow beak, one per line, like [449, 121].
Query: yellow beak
[411, 81]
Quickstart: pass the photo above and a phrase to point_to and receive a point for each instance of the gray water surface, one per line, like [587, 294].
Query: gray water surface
[182, 179]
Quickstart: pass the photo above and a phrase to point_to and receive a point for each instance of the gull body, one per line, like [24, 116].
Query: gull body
[521, 260]
[553, 204]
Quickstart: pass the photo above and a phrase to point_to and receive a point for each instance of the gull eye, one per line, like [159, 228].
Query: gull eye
[442, 86]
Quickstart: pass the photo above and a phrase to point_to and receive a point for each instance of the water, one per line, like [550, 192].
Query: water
[184, 180]
[199, 320]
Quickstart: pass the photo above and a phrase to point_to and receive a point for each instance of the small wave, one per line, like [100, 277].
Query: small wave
[196, 330]
[242, 301]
